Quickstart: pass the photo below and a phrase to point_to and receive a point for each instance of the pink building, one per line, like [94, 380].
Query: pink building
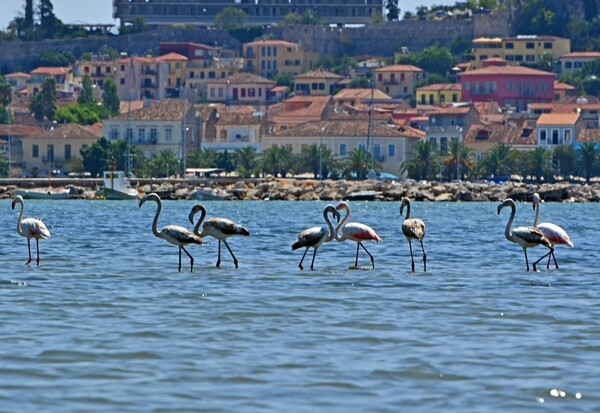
[508, 86]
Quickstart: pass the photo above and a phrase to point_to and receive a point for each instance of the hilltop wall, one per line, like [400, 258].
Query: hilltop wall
[382, 39]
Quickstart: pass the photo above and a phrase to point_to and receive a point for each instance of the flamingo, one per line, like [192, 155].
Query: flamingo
[316, 236]
[413, 228]
[554, 233]
[30, 228]
[173, 234]
[219, 228]
[355, 231]
[526, 237]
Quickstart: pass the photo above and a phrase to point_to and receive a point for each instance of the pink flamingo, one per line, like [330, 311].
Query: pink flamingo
[30, 228]
[554, 233]
[526, 237]
[173, 234]
[413, 228]
[355, 231]
[219, 228]
[316, 236]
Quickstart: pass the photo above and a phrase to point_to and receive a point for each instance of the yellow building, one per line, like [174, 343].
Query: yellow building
[317, 83]
[268, 58]
[439, 94]
[398, 81]
[527, 49]
[176, 64]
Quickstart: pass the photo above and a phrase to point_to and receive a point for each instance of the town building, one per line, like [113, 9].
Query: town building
[576, 60]
[554, 129]
[63, 77]
[240, 88]
[529, 49]
[268, 58]
[398, 81]
[357, 96]
[439, 94]
[317, 83]
[301, 109]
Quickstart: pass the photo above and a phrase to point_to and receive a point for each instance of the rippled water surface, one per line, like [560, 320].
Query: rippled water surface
[106, 323]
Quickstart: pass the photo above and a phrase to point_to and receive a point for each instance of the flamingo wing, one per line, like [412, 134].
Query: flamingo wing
[225, 226]
[34, 228]
[359, 232]
[530, 237]
[312, 237]
[177, 235]
[555, 234]
[413, 228]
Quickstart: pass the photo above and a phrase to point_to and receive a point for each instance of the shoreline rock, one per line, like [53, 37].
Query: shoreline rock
[328, 190]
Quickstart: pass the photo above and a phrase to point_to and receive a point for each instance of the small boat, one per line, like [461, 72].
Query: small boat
[43, 193]
[363, 195]
[116, 186]
[209, 194]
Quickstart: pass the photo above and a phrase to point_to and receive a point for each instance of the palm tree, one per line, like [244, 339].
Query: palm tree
[278, 160]
[424, 163]
[313, 157]
[203, 158]
[498, 161]
[460, 155]
[358, 162]
[588, 159]
[536, 163]
[564, 159]
[3, 165]
[247, 161]
[163, 163]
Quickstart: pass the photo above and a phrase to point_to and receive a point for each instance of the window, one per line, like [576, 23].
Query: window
[392, 150]
[509, 57]
[567, 136]
[530, 58]
[67, 152]
[122, 81]
[142, 135]
[343, 149]
[362, 146]
[314, 86]
[377, 152]
[35, 151]
[114, 133]
[423, 99]
[483, 57]
[443, 144]
[554, 136]
[153, 135]
[212, 92]
[467, 85]
[129, 134]
[243, 92]
[509, 45]
[122, 68]
[454, 97]
[547, 45]
[578, 65]
[251, 92]
[169, 134]
[543, 136]
[321, 86]
[530, 45]
[220, 92]
[568, 65]
[518, 58]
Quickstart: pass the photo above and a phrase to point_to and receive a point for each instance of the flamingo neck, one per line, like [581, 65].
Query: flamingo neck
[508, 230]
[19, 228]
[329, 225]
[407, 210]
[341, 224]
[197, 226]
[537, 213]
[155, 230]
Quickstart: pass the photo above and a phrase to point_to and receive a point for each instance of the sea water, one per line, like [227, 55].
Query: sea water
[106, 323]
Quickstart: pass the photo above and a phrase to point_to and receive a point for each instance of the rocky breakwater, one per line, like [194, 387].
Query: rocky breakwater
[312, 190]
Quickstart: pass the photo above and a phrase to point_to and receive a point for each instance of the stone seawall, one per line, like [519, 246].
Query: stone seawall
[309, 190]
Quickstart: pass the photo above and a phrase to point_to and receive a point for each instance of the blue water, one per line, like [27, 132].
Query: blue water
[107, 324]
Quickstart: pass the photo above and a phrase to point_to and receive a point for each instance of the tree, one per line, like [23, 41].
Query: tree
[50, 26]
[563, 159]
[226, 161]
[5, 99]
[203, 158]
[358, 163]
[461, 155]
[424, 163]
[537, 164]
[359, 83]
[587, 155]
[393, 11]
[498, 161]
[87, 92]
[247, 162]
[110, 97]
[97, 157]
[3, 165]
[43, 105]
[433, 59]
[284, 79]
[136, 25]
[163, 164]
[278, 160]
[312, 158]
[231, 18]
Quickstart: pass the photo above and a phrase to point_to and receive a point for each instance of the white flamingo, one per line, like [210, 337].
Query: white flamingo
[554, 233]
[219, 228]
[526, 237]
[316, 236]
[413, 228]
[30, 228]
[355, 231]
[173, 234]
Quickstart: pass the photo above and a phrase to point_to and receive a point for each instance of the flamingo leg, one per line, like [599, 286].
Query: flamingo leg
[555, 262]
[526, 260]
[235, 261]
[412, 260]
[356, 261]
[543, 256]
[188, 254]
[372, 259]
[312, 263]
[424, 257]
[37, 248]
[219, 259]
[303, 255]
[29, 249]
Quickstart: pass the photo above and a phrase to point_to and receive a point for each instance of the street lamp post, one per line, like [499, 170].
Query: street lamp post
[9, 146]
[321, 155]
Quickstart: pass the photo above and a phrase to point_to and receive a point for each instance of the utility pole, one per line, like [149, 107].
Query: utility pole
[9, 146]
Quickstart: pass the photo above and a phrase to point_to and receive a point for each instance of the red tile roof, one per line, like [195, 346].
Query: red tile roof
[342, 128]
[361, 93]
[172, 57]
[398, 68]
[507, 70]
[441, 86]
[321, 74]
[270, 43]
[52, 71]
[244, 78]
[18, 75]
[162, 110]
[558, 119]
[581, 55]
